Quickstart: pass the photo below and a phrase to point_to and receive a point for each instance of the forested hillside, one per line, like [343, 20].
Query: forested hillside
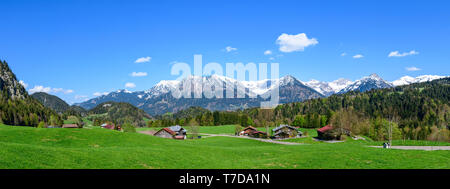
[17, 107]
[417, 111]
[119, 113]
[51, 101]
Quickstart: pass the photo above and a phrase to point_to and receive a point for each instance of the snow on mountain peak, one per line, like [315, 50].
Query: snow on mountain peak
[123, 91]
[339, 84]
[406, 80]
[328, 88]
[373, 76]
[373, 81]
[259, 87]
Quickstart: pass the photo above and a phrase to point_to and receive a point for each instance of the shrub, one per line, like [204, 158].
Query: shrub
[41, 125]
[128, 128]
[305, 133]
[237, 129]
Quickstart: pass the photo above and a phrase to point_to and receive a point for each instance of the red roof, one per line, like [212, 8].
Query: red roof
[108, 126]
[324, 129]
[169, 131]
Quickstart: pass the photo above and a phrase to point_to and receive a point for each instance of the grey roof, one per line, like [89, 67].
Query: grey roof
[177, 128]
[282, 126]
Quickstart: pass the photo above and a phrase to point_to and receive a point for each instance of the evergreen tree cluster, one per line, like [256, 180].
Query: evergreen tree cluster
[420, 111]
[17, 107]
[118, 113]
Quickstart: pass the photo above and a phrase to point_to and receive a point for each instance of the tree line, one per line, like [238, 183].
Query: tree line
[418, 111]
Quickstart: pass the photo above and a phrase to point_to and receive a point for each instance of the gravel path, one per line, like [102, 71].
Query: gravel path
[258, 139]
[428, 148]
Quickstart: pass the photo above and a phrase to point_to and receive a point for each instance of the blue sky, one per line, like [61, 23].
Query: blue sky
[77, 48]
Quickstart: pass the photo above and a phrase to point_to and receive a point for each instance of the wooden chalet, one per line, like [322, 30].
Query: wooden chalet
[321, 132]
[175, 132]
[329, 133]
[247, 131]
[258, 134]
[252, 132]
[285, 131]
[108, 126]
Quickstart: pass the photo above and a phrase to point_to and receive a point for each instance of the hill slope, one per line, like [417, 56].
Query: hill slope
[51, 101]
[16, 106]
[101, 148]
[120, 113]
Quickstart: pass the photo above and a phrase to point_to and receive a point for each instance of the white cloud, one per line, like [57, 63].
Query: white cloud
[291, 43]
[100, 94]
[130, 85]
[229, 49]
[25, 85]
[139, 74]
[65, 91]
[397, 54]
[267, 52]
[143, 59]
[343, 54]
[81, 97]
[412, 69]
[40, 88]
[358, 56]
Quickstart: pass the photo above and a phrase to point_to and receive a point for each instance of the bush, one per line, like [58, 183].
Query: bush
[237, 129]
[41, 125]
[128, 128]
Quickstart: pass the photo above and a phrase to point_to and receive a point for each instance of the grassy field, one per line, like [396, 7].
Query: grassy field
[25, 147]
[225, 129]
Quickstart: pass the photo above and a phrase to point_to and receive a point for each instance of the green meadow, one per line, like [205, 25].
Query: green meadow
[96, 148]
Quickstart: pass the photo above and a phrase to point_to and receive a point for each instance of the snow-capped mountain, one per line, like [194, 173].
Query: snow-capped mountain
[372, 81]
[366, 83]
[406, 80]
[159, 99]
[328, 88]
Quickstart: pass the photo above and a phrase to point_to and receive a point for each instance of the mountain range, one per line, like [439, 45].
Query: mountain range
[159, 99]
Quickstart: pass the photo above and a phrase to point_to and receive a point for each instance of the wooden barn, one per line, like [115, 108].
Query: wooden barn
[321, 133]
[329, 133]
[165, 133]
[286, 131]
[70, 126]
[247, 131]
[108, 126]
[252, 132]
[175, 132]
[258, 134]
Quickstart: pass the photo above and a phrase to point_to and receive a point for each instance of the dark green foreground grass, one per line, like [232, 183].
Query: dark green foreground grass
[25, 147]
